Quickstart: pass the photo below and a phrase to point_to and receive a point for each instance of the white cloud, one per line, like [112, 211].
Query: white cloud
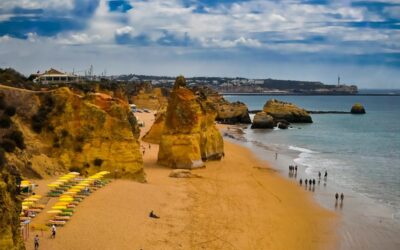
[124, 30]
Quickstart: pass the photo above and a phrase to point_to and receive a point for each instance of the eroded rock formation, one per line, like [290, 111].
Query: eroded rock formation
[263, 120]
[190, 136]
[286, 111]
[154, 99]
[357, 108]
[64, 131]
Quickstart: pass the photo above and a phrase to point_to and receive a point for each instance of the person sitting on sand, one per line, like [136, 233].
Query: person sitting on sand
[153, 215]
[53, 231]
[36, 241]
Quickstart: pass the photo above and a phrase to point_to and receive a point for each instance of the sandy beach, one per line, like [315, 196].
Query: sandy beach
[238, 203]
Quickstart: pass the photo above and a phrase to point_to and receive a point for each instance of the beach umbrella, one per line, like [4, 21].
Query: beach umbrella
[27, 203]
[53, 185]
[62, 203]
[58, 207]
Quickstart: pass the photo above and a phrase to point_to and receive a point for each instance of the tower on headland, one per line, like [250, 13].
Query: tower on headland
[338, 81]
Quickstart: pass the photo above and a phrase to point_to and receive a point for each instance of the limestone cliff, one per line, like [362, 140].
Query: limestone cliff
[227, 112]
[286, 111]
[156, 130]
[65, 131]
[189, 136]
[154, 99]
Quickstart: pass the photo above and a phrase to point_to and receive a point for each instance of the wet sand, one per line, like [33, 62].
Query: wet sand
[238, 203]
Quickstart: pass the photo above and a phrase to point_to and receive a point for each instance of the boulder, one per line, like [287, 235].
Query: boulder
[283, 125]
[232, 113]
[286, 111]
[357, 108]
[189, 136]
[263, 120]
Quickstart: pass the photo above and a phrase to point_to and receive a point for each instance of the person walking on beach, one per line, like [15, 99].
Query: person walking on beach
[306, 182]
[276, 155]
[326, 174]
[341, 198]
[36, 241]
[53, 231]
[336, 196]
[319, 174]
[313, 182]
[295, 168]
[301, 182]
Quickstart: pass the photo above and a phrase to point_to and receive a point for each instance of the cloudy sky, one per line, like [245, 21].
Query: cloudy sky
[287, 39]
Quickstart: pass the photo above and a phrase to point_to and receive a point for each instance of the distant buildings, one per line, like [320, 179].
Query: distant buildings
[53, 76]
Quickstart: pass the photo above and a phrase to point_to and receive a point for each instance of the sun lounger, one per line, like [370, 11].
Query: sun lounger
[62, 218]
[57, 222]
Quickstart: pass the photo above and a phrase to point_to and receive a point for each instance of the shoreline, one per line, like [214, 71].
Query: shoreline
[238, 203]
[364, 223]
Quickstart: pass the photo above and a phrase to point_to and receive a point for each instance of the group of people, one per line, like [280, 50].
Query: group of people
[53, 236]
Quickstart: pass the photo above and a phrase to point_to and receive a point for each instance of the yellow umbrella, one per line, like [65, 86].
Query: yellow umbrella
[58, 207]
[61, 203]
[54, 211]
[26, 203]
[66, 199]
[53, 185]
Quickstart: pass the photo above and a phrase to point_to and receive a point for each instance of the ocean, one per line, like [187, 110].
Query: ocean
[360, 152]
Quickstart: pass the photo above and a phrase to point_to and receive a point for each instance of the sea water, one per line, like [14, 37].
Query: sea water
[360, 152]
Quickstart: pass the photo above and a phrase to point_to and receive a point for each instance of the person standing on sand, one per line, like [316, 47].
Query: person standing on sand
[36, 241]
[305, 182]
[53, 231]
[336, 196]
[301, 182]
[295, 168]
[326, 174]
[319, 174]
[276, 155]
[341, 198]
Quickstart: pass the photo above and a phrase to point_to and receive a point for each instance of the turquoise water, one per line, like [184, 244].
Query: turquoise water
[360, 152]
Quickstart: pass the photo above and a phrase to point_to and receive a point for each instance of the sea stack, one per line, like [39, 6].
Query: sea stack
[190, 136]
[286, 111]
[263, 120]
[357, 108]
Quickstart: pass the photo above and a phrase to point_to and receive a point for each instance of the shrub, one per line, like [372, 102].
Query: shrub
[10, 110]
[17, 137]
[8, 145]
[97, 162]
[5, 121]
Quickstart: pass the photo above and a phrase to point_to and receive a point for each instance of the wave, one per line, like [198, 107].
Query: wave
[302, 150]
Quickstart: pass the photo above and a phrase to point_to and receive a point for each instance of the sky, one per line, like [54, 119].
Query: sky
[314, 40]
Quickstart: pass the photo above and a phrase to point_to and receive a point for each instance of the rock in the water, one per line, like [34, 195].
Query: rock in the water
[263, 120]
[283, 125]
[286, 111]
[182, 173]
[189, 136]
[358, 108]
[232, 113]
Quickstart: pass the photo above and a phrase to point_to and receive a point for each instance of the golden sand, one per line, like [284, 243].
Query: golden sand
[239, 203]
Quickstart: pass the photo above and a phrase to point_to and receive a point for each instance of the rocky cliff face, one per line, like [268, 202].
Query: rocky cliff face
[150, 99]
[227, 112]
[157, 129]
[189, 136]
[286, 111]
[64, 131]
